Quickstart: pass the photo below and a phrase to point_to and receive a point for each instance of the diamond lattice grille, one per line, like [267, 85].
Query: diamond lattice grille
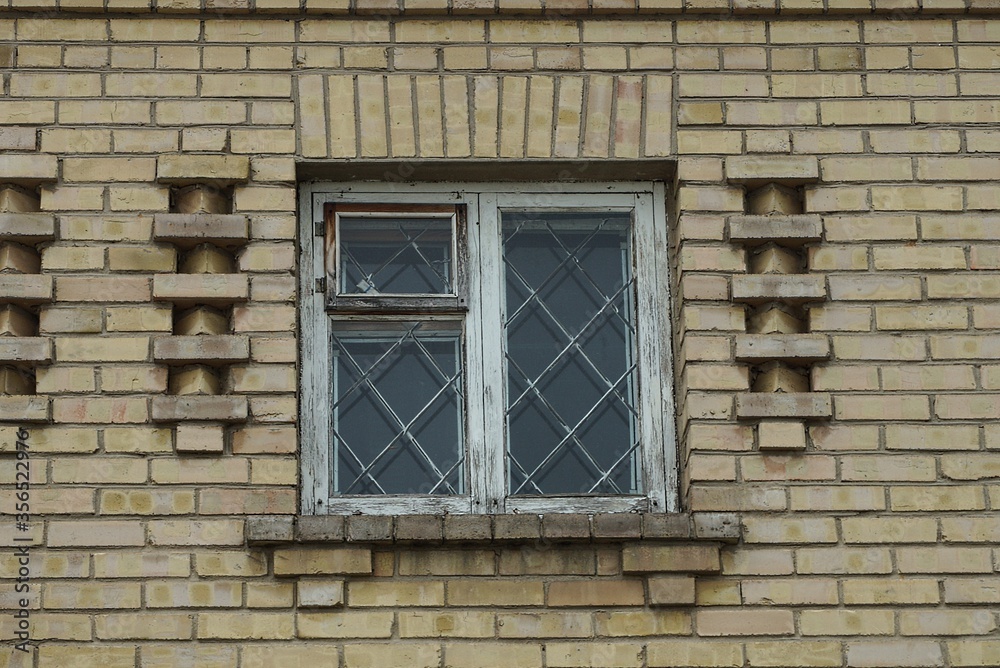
[571, 371]
[397, 425]
[395, 256]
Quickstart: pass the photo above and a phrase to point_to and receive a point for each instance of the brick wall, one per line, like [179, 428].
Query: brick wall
[834, 232]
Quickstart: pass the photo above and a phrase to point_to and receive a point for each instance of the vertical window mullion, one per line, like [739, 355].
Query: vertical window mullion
[493, 372]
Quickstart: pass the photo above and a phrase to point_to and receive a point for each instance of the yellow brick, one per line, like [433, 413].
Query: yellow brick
[921, 317]
[145, 141]
[813, 32]
[807, 653]
[936, 499]
[908, 141]
[381, 594]
[85, 656]
[467, 624]
[720, 32]
[908, 31]
[865, 112]
[138, 198]
[494, 592]
[695, 652]
[580, 654]
[245, 626]
[866, 169]
[345, 624]
[144, 626]
[161, 30]
[142, 84]
[482, 654]
[846, 622]
[376, 655]
[816, 85]
[69, 198]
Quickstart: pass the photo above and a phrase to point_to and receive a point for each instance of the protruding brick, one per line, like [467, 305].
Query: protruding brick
[792, 348]
[25, 288]
[195, 380]
[373, 528]
[795, 289]
[202, 168]
[617, 525]
[211, 289]
[265, 529]
[788, 230]
[188, 230]
[19, 409]
[806, 405]
[207, 259]
[211, 409]
[516, 527]
[28, 169]
[333, 561]
[565, 525]
[29, 350]
[757, 169]
[420, 528]
[666, 525]
[468, 527]
[203, 349]
[320, 528]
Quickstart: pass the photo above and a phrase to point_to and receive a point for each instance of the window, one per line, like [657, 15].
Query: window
[486, 349]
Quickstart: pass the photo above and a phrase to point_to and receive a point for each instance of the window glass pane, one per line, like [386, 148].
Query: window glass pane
[395, 255]
[398, 411]
[571, 371]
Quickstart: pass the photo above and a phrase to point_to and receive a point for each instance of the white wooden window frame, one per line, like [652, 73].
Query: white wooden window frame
[485, 376]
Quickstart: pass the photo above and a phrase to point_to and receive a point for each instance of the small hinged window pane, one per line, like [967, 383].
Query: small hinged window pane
[395, 258]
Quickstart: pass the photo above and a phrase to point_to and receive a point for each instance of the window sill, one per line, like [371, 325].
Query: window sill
[489, 529]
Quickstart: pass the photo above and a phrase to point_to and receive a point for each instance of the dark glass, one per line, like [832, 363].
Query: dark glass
[395, 256]
[397, 426]
[571, 371]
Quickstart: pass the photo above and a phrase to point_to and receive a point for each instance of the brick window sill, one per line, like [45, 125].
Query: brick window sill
[489, 529]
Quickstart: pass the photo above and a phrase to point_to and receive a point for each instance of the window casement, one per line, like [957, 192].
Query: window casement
[485, 348]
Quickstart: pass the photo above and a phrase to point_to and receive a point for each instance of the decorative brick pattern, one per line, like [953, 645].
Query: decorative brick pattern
[541, 116]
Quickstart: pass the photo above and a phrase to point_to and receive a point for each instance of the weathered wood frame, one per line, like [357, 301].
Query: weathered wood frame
[485, 379]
